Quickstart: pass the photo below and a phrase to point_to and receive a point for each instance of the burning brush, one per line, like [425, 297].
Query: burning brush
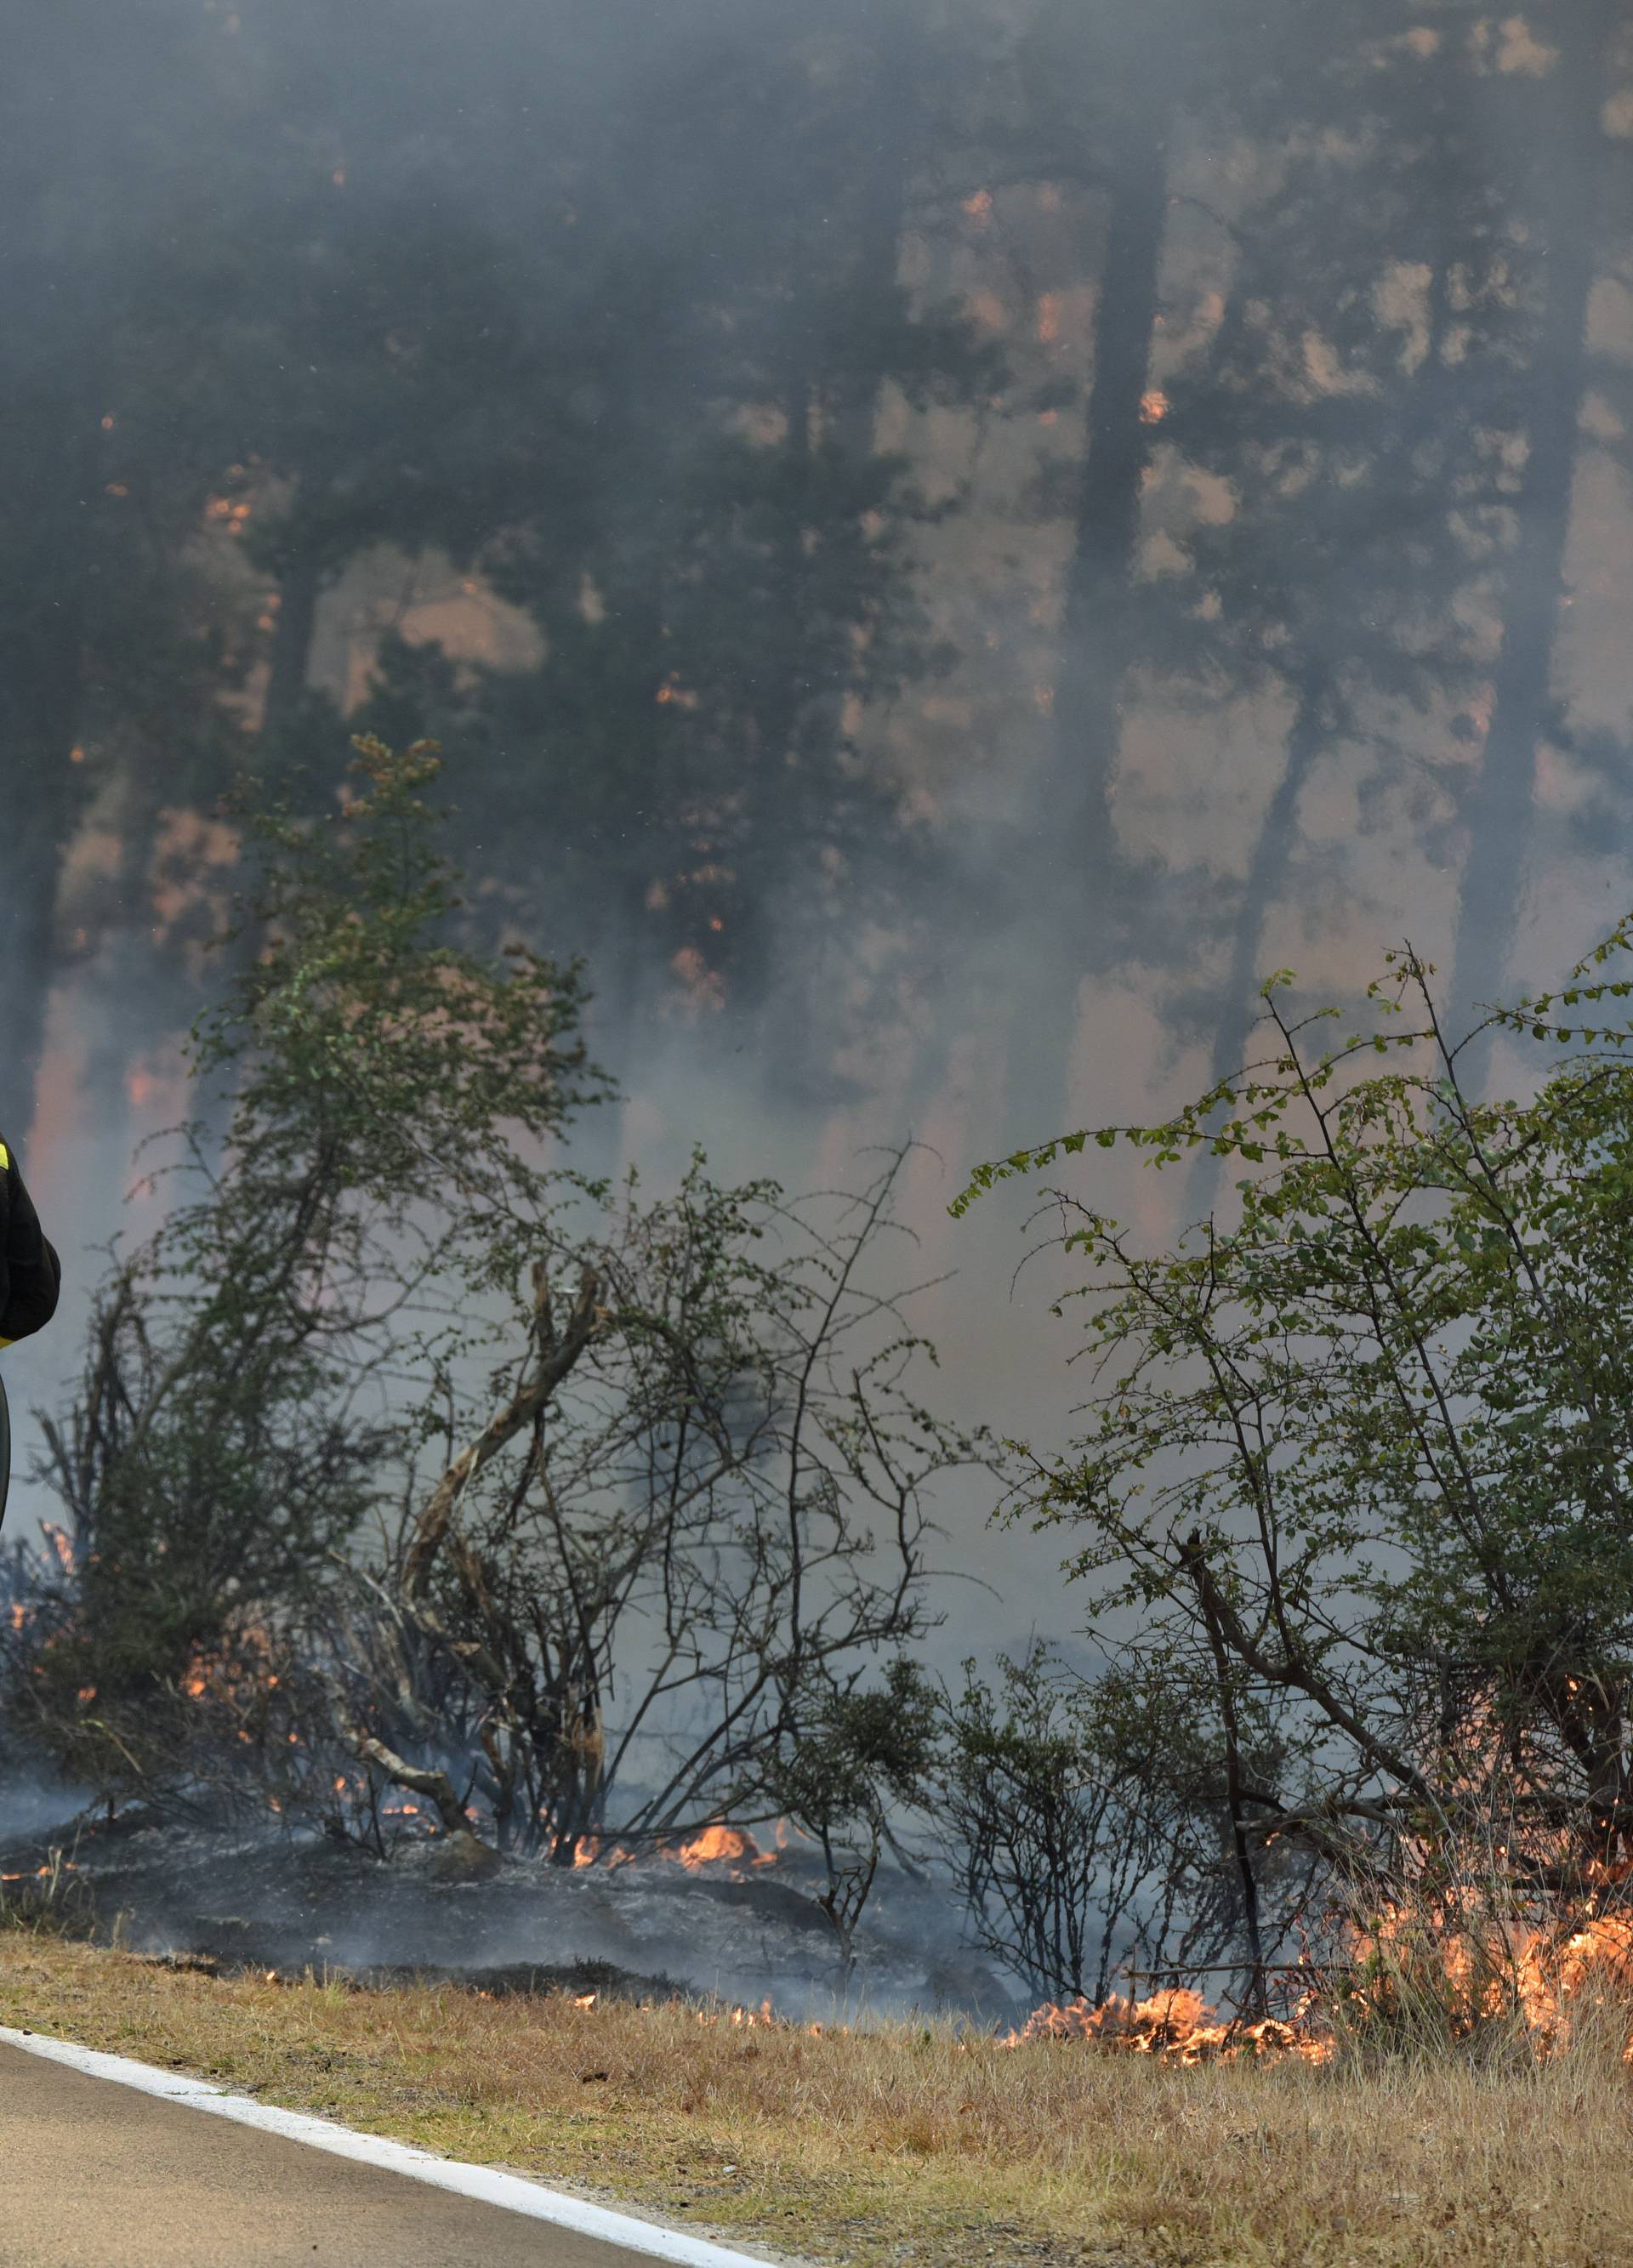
[1417, 1974]
[1176, 2026]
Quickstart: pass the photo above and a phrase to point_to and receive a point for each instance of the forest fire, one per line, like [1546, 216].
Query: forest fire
[931, 609]
[236, 1674]
[1404, 1970]
[1542, 1979]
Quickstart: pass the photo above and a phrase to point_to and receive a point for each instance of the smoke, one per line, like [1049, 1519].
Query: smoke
[1137, 698]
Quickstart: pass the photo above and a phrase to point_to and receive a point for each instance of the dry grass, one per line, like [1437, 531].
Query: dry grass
[907, 2144]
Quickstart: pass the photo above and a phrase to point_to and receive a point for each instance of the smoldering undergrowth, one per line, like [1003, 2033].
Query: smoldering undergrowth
[414, 1476]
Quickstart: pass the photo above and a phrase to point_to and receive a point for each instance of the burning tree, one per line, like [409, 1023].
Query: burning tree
[406, 1458]
[1357, 1456]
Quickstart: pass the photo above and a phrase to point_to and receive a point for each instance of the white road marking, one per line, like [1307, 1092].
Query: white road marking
[486, 2184]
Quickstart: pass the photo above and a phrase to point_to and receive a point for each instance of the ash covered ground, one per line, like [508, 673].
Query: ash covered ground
[723, 1929]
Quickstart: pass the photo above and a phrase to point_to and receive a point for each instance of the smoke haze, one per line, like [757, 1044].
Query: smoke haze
[943, 539]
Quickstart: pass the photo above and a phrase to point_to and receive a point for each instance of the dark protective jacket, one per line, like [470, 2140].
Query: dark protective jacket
[31, 1275]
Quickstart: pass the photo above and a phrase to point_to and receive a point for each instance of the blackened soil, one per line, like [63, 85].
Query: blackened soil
[292, 1903]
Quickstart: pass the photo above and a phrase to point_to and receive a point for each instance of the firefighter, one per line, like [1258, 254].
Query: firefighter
[31, 1275]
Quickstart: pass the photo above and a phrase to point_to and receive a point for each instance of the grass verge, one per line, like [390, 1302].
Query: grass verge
[907, 2144]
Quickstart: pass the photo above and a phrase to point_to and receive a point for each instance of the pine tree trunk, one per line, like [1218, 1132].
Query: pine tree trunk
[1239, 1001]
[300, 587]
[1087, 708]
[888, 38]
[1571, 150]
[41, 693]
[1086, 892]
[893, 81]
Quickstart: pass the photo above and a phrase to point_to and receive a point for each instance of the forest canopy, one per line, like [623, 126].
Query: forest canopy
[886, 499]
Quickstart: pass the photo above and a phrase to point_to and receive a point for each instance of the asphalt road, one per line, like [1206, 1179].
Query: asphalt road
[97, 2175]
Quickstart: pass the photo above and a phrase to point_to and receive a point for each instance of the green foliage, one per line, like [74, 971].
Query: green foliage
[379, 1081]
[861, 1756]
[405, 1454]
[1371, 1432]
[376, 1064]
[1083, 1819]
[863, 1751]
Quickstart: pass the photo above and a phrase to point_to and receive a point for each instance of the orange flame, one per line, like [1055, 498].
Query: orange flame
[1475, 1973]
[713, 1844]
[1177, 2026]
[747, 2020]
[1492, 1967]
[717, 1845]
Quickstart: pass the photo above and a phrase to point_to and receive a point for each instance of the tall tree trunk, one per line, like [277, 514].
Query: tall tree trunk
[300, 587]
[1083, 893]
[1569, 150]
[631, 850]
[1087, 707]
[770, 853]
[31, 861]
[1321, 711]
[1266, 868]
[41, 696]
[889, 37]
[891, 76]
